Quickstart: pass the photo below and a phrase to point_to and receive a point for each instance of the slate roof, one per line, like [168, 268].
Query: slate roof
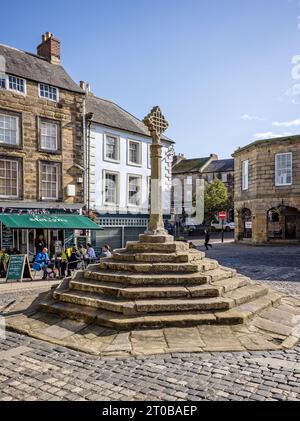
[190, 165]
[268, 141]
[112, 115]
[32, 67]
[221, 165]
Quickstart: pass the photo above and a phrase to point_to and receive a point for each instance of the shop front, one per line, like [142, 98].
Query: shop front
[58, 231]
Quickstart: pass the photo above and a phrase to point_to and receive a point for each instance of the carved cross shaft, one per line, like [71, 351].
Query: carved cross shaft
[157, 125]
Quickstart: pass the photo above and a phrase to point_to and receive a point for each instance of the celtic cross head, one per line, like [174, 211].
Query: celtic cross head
[156, 123]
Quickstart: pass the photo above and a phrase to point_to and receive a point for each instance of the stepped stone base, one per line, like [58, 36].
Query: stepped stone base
[161, 284]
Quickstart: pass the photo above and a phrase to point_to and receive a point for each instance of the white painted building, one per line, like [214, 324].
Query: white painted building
[119, 171]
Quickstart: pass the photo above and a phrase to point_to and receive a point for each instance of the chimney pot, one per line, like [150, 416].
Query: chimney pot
[82, 84]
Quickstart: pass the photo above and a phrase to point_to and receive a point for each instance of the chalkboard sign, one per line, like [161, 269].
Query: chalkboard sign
[18, 268]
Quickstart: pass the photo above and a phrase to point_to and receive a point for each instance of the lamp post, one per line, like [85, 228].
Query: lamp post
[157, 125]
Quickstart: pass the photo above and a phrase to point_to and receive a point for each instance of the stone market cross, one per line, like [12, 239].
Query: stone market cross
[157, 125]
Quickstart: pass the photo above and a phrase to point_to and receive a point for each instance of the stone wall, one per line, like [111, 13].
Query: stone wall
[262, 194]
[69, 111]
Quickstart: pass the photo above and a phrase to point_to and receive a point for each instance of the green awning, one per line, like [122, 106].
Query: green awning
[49, 222]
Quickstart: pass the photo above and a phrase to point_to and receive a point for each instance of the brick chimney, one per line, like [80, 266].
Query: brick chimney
[49, 48]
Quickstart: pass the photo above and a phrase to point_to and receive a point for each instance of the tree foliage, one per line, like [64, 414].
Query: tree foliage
[215, 199]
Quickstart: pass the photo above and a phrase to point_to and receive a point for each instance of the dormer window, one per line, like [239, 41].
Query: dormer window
[48, 92]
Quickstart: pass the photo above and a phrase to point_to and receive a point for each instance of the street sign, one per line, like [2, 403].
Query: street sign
[223, 215]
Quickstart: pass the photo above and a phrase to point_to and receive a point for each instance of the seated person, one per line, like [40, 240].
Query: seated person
[74, 260]
[42, 261]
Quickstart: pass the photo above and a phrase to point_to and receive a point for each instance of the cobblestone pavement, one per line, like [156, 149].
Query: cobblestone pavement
[35, 370]
[270, 263]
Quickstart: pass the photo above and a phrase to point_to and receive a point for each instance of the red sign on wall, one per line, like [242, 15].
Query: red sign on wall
[223, 215]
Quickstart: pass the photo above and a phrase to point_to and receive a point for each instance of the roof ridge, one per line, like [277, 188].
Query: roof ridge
[24, 52]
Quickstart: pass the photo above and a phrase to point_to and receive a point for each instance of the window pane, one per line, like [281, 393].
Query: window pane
[49, 92]
[134, 191]
[9, 132]
[8, 178]
[134, 152]
[49, 181]
[111, 188]
[16, 84]
[112, 148]
[283, 173]
[49, 134]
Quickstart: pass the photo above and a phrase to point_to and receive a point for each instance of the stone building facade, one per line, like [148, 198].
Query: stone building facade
[41, 132]
[120, 170]
[186, 172]
[267, 191]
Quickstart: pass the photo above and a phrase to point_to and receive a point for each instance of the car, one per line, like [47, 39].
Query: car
[193, 229]
[228, 226]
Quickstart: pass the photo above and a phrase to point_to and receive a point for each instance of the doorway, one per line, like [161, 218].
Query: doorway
[291, 227]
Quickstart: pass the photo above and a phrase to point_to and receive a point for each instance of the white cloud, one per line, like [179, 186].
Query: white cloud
[248, 117]
[292, 123]
[270, 135]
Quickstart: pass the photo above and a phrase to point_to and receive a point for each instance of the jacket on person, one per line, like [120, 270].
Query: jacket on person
[41, 261]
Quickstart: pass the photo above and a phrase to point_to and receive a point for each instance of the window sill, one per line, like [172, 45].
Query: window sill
[58, 152]
[113, 161]
[132, 164]
[7, 145]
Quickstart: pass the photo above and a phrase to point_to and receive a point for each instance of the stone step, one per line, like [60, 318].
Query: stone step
[181, 257]
[220, 274]
[130, 307]
[118, 290]
[208, 264]
[121, 322]
[248, 293]
[232, 284]
[157, 239]
[245, 312]
[137, 247]
[127, 278]
[147, 267]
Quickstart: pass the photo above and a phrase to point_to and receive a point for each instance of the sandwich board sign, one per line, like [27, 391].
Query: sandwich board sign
[18, 268]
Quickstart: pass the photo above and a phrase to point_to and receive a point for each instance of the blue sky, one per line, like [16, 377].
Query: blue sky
[221, 71]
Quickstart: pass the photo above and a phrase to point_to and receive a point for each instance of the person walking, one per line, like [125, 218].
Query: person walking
[207, 240]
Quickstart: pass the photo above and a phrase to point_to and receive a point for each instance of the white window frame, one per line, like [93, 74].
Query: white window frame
[117, 138]
[6, 83]
[57, 135]
[245, 175]
[57, 165]
[45, 97]
[18, 182]
[277, 182]
[130, 205]
[117, 174]
[189, 180]
[140, 147]
[6, 114]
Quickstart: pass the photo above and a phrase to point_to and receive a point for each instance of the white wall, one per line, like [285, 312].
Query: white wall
[98, 165]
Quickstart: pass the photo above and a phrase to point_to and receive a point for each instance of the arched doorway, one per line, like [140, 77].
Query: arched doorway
[283, 223]
[246, 216]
